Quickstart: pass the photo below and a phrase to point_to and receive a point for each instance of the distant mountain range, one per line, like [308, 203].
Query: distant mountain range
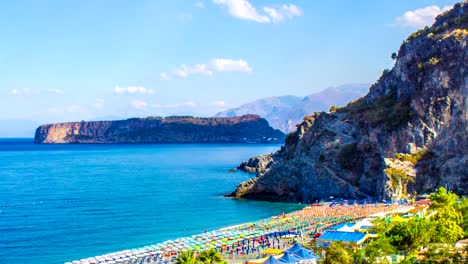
[285, 112]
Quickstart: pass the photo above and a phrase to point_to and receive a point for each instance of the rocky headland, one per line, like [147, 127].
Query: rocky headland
[408, 134]
[176, 129]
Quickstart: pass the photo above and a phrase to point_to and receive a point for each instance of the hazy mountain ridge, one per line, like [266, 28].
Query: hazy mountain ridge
[285, 112]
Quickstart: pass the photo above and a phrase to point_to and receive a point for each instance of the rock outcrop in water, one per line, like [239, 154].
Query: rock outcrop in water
[408, 134]
[243, 129]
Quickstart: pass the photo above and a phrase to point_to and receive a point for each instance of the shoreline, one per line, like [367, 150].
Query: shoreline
[299, 223]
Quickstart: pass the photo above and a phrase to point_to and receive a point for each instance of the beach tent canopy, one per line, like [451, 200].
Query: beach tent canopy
[272, 251]
[345, 229]
[338, 226]
[397, 219]
[364, 223]
[272, 260]
[289, 258]
[294, 248]
[347, 237]
[305, 254]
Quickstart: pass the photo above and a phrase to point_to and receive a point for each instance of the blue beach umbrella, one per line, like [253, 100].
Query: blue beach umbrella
[272, 260]
[305, 254]
[295, 248]
[289, 258]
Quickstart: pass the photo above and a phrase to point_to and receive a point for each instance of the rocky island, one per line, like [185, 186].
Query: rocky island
[176, 129]
[408, 134]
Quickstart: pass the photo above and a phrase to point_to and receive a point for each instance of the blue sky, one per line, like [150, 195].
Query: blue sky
[73, 60]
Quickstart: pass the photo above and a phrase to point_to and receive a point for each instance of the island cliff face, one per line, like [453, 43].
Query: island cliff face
[408, 134]
[243, 129]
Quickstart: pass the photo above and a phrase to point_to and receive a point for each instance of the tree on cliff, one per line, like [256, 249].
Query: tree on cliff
[442, 198]
[447, 223]
[337, 253]
[462, 207]
[409, 236]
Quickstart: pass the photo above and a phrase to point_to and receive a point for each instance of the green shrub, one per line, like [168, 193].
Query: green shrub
[334, 108]
[397, 176]
[434, 61]
[387, 111]
[413, 158]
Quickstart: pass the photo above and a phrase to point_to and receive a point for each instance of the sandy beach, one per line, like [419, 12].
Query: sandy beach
[246, 241]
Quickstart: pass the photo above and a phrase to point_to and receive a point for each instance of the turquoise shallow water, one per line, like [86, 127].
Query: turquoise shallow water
[64, 202]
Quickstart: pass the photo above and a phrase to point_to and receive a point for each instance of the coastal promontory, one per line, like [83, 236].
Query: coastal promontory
[175, 129]
[408, 135]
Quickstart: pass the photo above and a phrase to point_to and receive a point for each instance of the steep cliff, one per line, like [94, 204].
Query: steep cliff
[408, 134]
[243, 129]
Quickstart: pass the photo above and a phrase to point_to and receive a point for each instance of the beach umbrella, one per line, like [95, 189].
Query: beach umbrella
[305, 254]
[290, 258]
[272, 260]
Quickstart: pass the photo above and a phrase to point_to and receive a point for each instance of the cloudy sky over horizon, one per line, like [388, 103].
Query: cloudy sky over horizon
[75, 60]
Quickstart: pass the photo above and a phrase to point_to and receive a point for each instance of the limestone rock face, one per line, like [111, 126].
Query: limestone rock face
[243, 129]
[419, 108]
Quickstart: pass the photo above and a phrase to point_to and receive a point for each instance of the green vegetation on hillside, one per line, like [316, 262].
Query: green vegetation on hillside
[398, 176]
[334, 108]
[436, 233]
[435, 31]
[413, 158]
[386, 110]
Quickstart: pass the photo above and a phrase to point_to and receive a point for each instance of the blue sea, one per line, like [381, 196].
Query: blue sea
[64, 202]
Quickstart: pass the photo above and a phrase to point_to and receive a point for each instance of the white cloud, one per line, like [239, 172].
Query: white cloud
[75, 109]
[164, 76]
[278, 14]
[421, 17]
[208, 69]
[200, 4]
[98, 104]
[275, 15]
[228, 65]
[243, 9]
[184, 71]
[131, 90]
[292, 10]
[138, 104]
[21, 92]
[55, 91]
[177, 105]
[28, 91]
[219, 103]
